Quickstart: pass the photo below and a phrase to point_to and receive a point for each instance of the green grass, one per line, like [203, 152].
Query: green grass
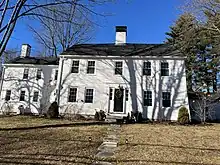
[57, 146]
[166, 144]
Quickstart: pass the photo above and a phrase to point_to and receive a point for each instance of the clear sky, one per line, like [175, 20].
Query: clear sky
[147, 22]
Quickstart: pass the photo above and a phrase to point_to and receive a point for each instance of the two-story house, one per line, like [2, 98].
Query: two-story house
[118, 78]
[28, 84]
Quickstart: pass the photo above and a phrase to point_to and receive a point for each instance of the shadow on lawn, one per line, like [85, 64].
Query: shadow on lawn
[86, 159]
[59, 158]
[170, 146]
[57, 125]
[135, 161]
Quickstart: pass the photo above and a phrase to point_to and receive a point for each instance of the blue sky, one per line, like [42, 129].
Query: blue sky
[147, 22]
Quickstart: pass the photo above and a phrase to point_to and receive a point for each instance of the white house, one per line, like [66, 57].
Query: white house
[118, 78]
[28, 84]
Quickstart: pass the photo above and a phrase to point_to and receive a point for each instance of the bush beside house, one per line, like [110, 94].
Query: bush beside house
[183, 116]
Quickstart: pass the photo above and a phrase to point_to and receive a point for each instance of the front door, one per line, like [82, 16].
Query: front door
[118, 100]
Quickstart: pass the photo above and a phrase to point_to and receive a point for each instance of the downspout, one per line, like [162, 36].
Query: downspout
[60, 81]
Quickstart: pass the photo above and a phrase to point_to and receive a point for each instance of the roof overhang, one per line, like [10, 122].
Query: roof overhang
[167, 57]
[26, 65]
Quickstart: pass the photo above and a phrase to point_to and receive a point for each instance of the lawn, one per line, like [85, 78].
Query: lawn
[166, 144]
[58, 146]
[30, 121]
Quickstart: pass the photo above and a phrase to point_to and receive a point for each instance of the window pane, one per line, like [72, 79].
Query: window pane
[39, 73]
[164, 69]
[35, 98]
[118, 71]
[147, 68]
[126, 94]
[22, 96]
[91, 67]
[8, 95]
[118, 64]
[89, 96]
[147, 98]
[166, 99]
[25, 74]
[56, 75]
[72, 95]
[75, 67]
[118, 68]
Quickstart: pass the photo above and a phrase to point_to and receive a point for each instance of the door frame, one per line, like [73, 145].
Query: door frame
[111, 102]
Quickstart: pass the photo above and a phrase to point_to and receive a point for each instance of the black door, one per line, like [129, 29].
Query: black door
[118, 100]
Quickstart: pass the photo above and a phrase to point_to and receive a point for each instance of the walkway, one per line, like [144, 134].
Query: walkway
[109, 145]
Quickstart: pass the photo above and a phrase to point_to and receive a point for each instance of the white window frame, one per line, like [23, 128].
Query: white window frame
[72, 67]
[92, 97]
[77, 91]
[121, 68]
[88, 67]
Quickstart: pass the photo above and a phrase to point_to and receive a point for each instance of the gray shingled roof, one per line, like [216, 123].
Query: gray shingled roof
[122, 50]
[35, 60]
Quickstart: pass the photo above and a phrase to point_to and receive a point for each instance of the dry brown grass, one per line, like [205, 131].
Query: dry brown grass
[57, 146]
[29, 121]
[166, 144]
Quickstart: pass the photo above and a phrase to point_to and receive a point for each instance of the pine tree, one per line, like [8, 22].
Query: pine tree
[183, 36]
[197, 44]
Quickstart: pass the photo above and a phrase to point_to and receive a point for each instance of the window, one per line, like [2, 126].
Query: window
[39, 73]
[147, 68]
[118, 68]
[126, 94]
[166, 99]
[8, 95]
[35, 98]
[91, 67]
[22, 96]
[89, 96]
[56, 75]
[72, 95]
[75, 67]
[164, 69]
[110, 93]
[147, 98]
[25, 74]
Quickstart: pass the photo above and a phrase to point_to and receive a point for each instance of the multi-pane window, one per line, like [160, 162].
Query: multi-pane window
[147, 98]
[166, 99]
[56, 75]
[72, 95]
[164, 69]
[25, 74]
[8, 95]
[39, 73]
[126, 94]
[35, 98]
[75, 67]
[22, 96]
[89, 96]
[91, 67]
[110, 93]
[118, 67]
[147, 68]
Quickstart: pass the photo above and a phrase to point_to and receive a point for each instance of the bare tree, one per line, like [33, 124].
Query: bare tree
[54, 36]
[206, 11]
[12, 10]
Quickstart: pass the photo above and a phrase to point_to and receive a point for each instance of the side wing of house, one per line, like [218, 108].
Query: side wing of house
[28, 88]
